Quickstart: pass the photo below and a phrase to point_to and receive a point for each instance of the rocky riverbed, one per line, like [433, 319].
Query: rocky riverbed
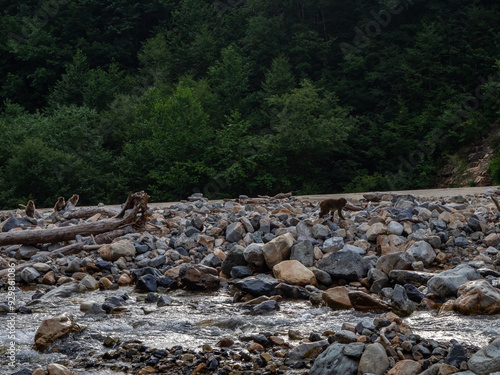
[405, 284]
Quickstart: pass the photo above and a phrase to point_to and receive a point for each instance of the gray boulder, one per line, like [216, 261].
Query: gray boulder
[333, 244]
[234, 257]
[486, 360]
[258, 285]
[400, 303]
[422, 251]
[346, 265]
[374, 360]
[395, 261]
[235, 232]
[303, 252]
[446, 283]
[253, 254]
[29, 274]
[334, 361]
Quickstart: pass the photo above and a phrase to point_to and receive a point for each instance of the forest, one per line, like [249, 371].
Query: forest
[229, 97]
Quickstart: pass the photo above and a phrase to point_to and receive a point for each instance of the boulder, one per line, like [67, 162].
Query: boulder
[53, 329]
[374, 360]
[390, 244]
[320, 231]
[491, 239]
[306, 352]
[478, 297]
[447, 283]
[366, 302]
[337, 298]
[405, 367]
[333, 244]
[89, 283]
[258, 285]
[278, 249]
[295, 273]
[486, 360]
[375, 230]
[422, 251]
[346, 265]
[395, 228]
[253, 254]
[303, 252]
[29, 274]
[57, 369]
[116, 250]
[400, 303]
[334, 361]
[199, 277]
[395, 261]
[234, 257]
[235, 232]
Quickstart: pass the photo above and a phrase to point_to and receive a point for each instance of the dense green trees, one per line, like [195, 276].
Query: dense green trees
[241, 97]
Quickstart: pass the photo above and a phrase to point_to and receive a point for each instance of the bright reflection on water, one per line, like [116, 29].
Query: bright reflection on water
[195, 319]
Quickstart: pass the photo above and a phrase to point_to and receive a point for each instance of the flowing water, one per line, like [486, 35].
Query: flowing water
[195, 319]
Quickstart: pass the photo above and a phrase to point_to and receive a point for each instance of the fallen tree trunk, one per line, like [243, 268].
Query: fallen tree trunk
[136, 204]
[86, 212]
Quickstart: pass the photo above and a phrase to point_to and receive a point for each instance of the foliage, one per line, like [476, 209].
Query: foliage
[101, 98]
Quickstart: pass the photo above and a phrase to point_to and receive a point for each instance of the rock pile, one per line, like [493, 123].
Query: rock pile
[395, 254]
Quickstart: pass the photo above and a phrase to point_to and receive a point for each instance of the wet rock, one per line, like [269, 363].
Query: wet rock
[57, 369]
[164, 300]
[333, 361]
[53, 329]
[413, 293]
[337, 298]
[333, 244]
[147, 283]
[253, 255]
[487, 360]
[303, 252]
[478, 297]
[400, 303]
[446, 283]
[295, 273]
[395, 261]
[264, 308]
[365, 302]
[345, 265]
[199, 277]
[258, 285]
[278, 249]
[235, 232]
[114, 303]
[63, 291]
[234, 257]
[374, 360]
[422, 251]
[456, 355]
[240, 272]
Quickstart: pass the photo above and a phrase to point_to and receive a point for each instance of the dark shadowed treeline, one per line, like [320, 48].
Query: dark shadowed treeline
[102, 98]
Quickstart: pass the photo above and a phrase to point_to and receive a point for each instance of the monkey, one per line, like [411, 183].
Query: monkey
[71, 204]
[30, 209]
[331, 205]
[60, 204]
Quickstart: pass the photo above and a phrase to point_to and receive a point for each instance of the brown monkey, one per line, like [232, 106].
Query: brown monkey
[331, 205]
[30, 209]
[71, 204]
[60, 204]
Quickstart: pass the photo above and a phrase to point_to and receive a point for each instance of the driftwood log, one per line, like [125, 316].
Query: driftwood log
[86, 212]
[134, 213]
